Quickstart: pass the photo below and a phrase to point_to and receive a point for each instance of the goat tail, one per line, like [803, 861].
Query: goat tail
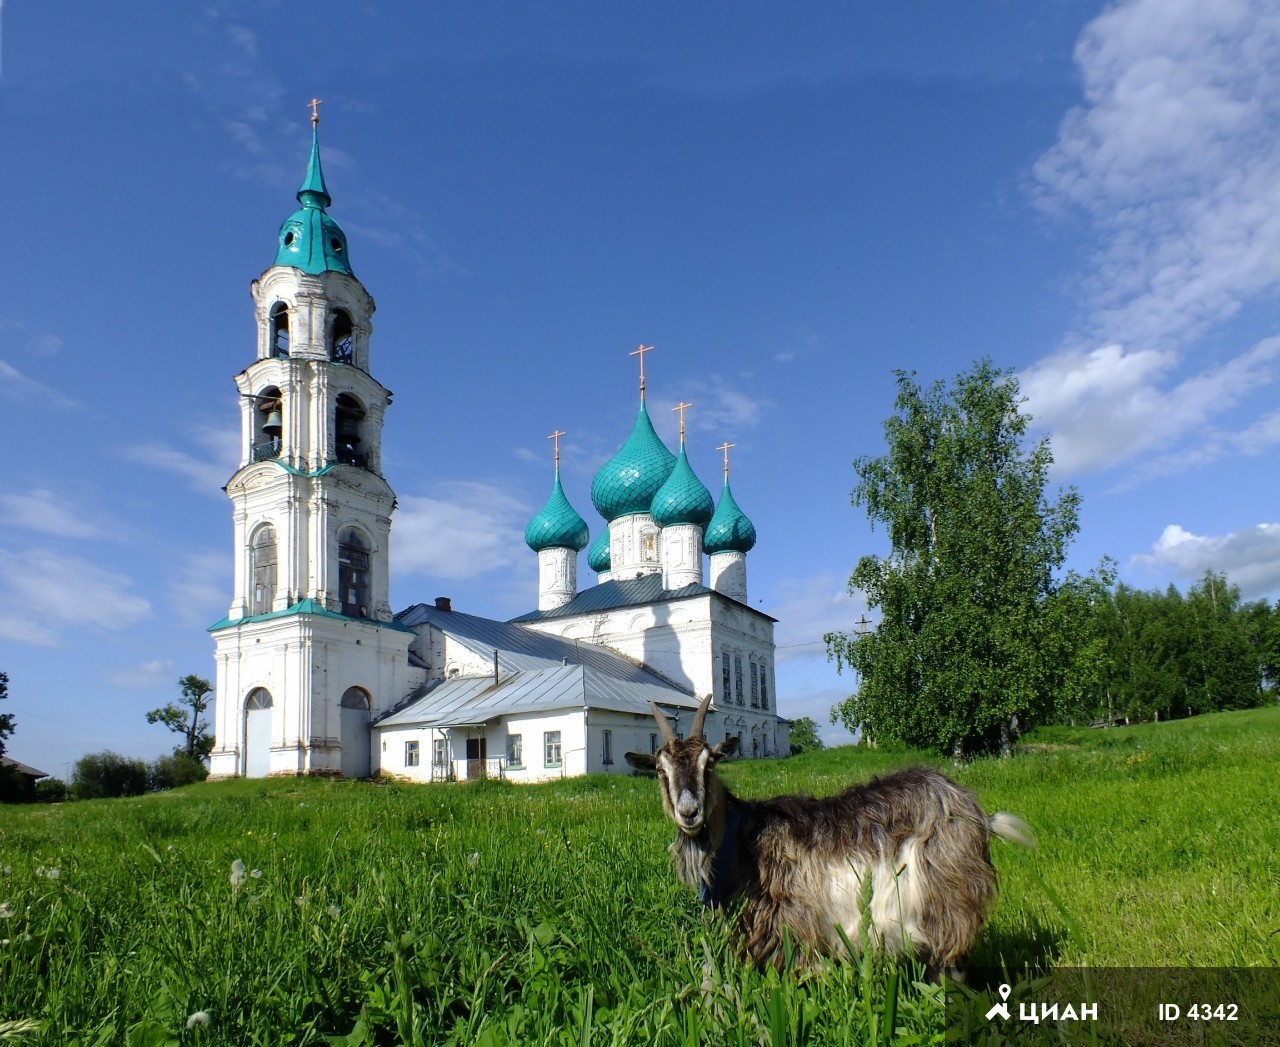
[1010, 827]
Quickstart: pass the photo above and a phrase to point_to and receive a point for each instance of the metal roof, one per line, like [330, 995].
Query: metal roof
[23, 768]
[472, 701]
[628, 592]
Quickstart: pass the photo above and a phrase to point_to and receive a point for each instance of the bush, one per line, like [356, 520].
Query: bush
[105, 774]
[51, 790]
[169, 772]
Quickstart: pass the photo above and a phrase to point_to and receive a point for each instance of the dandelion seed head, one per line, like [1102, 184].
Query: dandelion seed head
[7, 870]
[473, 859]
[256, 874]
[199, 1018]
[3, 942]
[48, 874]
[237, 873]
[300, 901]
[334, 911]
[6, 911]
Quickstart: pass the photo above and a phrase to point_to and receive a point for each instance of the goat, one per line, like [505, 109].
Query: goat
[909, 849]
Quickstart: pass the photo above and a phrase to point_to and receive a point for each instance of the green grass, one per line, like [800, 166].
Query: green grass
[494, 914]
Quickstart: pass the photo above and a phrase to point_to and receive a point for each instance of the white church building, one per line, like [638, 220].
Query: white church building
[317, 676]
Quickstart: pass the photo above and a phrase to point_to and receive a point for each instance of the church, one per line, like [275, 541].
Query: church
[315, 675]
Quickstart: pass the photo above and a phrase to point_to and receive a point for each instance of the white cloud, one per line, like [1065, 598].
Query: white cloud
[17, 386]
[1250, 557]
[44, 344]
[201, 587]
[206, 472]
[41, 586]
[149, 675]
[471, 529]
[1173, 158]
[807, 609]
[41, 510]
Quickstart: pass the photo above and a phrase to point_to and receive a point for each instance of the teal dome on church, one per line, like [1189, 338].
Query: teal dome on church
[309, 239]
[628, 481]
[599, 559]
[729, 529]
[558, 525]
[683, 499]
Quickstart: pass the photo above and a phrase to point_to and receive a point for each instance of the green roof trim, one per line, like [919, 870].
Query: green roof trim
[312, 607]
[557, 525]
[627, 482]
[309, 239]
[729, 530]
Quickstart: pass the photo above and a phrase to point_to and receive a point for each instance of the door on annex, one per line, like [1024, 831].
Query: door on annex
[257, 734]
[477, 754]
[355, 733]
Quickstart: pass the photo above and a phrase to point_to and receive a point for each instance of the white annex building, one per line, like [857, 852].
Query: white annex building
[316, 675]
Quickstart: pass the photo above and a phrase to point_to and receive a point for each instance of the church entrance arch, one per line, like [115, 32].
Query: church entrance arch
[354, 715]
[257, 733]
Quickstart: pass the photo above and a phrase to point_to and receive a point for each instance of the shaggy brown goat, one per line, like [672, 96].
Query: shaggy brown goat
[909, 849]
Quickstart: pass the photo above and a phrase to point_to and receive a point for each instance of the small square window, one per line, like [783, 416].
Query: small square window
[515, 750]
[551, 748]
[440, 753]
[411, 754]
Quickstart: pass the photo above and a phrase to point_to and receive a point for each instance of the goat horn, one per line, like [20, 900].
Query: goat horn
[664, 725]
[699, 717]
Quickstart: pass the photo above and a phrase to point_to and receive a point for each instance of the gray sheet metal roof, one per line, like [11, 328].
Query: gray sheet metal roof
[630, 592]
[521, 650]
[23, 769]
[476, 700]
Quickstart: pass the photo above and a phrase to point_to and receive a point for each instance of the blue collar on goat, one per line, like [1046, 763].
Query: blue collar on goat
[714, 894]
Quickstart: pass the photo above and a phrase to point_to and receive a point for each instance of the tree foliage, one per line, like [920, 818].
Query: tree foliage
[106, 774]
[975, 634]
[186, 717]
[804, 736]
[6, 719]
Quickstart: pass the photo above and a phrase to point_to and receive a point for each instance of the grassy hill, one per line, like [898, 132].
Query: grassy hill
[487, 913]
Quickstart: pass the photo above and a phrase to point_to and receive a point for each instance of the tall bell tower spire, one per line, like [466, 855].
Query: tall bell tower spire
[308, 650]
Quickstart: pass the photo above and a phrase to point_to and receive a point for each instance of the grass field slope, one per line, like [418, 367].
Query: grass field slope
[306, 911]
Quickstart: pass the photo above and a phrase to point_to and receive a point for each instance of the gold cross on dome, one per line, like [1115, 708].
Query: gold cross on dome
[640, 351]
[681, 407]
[556, 437]
[725, 448]
[314, 106]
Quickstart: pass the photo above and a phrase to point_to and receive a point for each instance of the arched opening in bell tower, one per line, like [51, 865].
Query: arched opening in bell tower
[341, 338]
[279, 343]
[257, 733]
[263, 560]
[347, 427]
[268, 424]
[353, 573]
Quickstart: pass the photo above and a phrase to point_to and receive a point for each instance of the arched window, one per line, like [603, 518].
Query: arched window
[353, 715]
[353, 573]
[259, 698]
[764, 685]
[341, 338]
[262, 571]
[279, 329]
[355, 698]
[348, 416]
[268, 425]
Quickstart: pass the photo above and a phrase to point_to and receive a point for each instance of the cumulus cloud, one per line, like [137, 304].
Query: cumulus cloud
[158, 672]
[43, 511]
[43, 586]
[470, 529]
[1249, 557]
[807, 609]
[1173, 159]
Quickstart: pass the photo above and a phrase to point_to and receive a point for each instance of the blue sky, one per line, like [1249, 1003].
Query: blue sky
[788, 201]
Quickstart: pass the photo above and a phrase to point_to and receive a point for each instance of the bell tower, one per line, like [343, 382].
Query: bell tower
[308, 651]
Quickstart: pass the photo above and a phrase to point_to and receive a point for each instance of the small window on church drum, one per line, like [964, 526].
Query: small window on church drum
[353, 574]
[263, 560]
[279, 329]
[341, 338]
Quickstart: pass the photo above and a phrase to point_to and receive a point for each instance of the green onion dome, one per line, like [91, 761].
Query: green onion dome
[599, 559]
[729, 529]
[309, 239]
[682, 499]
[557, 526]
[628, 481]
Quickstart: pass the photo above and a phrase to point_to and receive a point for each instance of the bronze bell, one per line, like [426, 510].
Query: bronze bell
[274, 425]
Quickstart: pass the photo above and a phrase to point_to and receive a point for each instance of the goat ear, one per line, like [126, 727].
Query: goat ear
[642, 761]
[726, 748]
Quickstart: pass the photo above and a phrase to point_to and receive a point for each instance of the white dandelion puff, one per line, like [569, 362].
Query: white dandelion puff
[7, 870]
[237, 873]
[473, 859]
[256, 874]
[334, 911]
[48, 874]
[199, 1018]
[6, 911]
[300, 901]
